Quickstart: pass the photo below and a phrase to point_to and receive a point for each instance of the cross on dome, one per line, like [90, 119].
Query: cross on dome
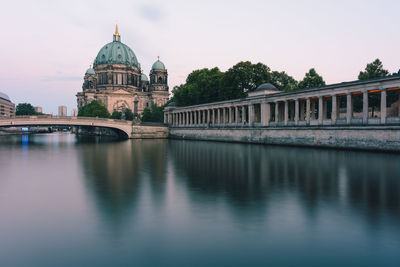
[117, 36]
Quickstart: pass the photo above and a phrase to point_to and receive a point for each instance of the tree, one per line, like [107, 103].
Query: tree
[116, 115]
[128, 114]
[94, 109]
[25, 109]
[283, 82]
[242, 78]
[373, 70]
[155, 114]
[312, 79]
[202, 86]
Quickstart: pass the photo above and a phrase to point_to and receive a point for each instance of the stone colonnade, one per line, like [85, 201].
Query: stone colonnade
[312, 107]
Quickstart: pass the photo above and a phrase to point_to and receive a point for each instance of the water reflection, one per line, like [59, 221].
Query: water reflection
[251, 176]
[116, 174]
[246, 178]
[186, 203]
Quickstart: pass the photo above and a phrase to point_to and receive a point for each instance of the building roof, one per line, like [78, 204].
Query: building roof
[158, 65]
[266, 86]
[116, 53]
[172, 104]
[144, 78]
[90, 71]
[5, 97]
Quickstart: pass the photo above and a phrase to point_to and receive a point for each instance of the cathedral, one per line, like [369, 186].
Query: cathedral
[117, 80]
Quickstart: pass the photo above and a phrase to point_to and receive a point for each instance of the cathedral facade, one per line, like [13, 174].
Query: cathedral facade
[117, 80]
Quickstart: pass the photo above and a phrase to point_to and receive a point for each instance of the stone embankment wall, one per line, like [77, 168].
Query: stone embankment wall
[149, 132]
[380, 138]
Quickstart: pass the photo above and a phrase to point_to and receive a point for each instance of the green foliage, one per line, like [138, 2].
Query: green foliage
[116, 115]
[373, 70]
[155, 114]
[94, 109]
[312, 79]
[128, 114]
[210, 85]
[242, 78]
[25, 109]
[201, 86]
[283, 82]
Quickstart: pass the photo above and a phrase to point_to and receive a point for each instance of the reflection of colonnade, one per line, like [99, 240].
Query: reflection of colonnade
[247, 173]
[336, 104]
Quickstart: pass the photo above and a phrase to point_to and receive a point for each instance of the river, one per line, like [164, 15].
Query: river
[69, 201]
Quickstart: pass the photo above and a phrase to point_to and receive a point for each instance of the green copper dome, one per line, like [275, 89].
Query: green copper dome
[116, 53]
[90, 71]
[144, 78]
[158, 65]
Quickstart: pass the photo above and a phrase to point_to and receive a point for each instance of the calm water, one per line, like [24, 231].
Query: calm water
[85, 202]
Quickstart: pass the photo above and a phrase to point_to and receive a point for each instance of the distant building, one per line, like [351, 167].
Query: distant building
[74, 112]
[62, 111]
[7, 108]
[39, 109]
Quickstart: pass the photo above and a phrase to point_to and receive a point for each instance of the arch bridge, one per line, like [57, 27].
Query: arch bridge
[124, 128]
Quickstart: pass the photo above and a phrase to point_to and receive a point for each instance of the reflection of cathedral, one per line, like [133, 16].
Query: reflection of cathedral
[116, 79]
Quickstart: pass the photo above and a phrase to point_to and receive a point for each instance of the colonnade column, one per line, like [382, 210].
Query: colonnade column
[296, 112]
[276, 112]
[236, 114]
[308, 105]
[251, 114]
[320, 109]
[244, 114]
[349, 108]
[286, 114]
[365, 107]
[223, 116]
[265, 113]
[231, 110]
[334, 109]
[383, 106]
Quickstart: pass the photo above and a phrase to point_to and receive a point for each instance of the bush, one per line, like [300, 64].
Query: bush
[155, 114]
[94, 109]
[25, 109]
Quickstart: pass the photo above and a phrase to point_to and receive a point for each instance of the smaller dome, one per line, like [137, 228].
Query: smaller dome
[266, 86]
[172, 104]
[90, 71]
[144, 78]
[158, 65]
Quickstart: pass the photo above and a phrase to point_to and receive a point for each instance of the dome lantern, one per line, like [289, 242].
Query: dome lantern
[117, 36]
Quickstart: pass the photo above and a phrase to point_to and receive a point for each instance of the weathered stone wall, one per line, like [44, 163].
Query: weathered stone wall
[385, 138]
[149, 132]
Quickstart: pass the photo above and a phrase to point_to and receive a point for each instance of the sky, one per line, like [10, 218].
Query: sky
[46, 46]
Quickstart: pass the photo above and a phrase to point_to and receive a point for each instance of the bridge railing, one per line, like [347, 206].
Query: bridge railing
[70, 118]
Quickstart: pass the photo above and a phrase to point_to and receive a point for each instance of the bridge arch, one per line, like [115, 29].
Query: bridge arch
[124, 128]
